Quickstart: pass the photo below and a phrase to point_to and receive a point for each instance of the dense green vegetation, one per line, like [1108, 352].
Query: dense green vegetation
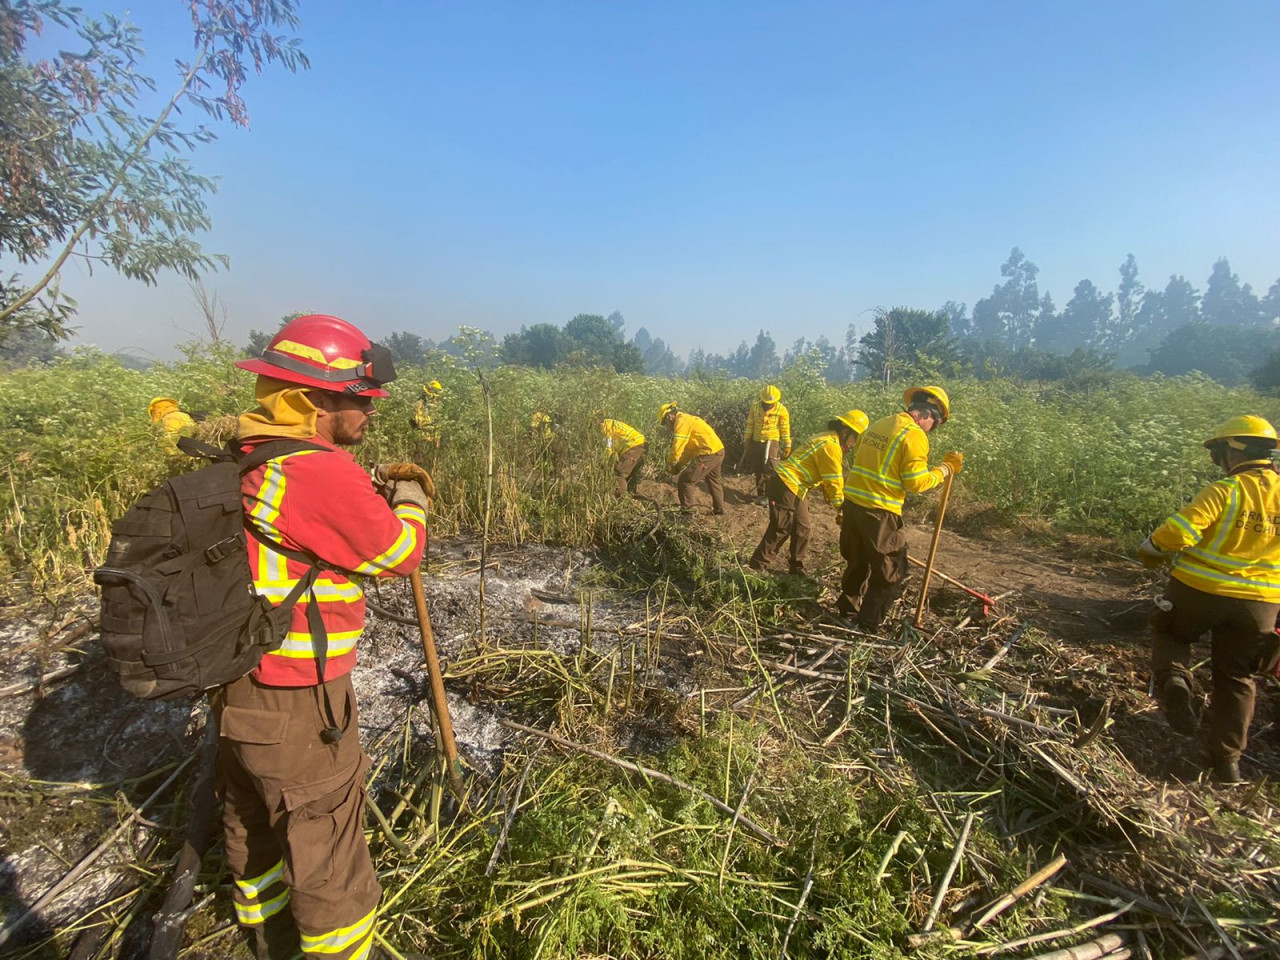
[1109, 454]
[866, 772]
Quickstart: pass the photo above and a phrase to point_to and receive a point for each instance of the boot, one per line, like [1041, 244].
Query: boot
[1227, 772]
[1177, 703]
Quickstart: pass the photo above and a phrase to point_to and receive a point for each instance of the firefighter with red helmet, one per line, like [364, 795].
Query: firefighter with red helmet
[290, 765]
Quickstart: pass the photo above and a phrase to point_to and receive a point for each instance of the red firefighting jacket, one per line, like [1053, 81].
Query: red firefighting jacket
[321, 502]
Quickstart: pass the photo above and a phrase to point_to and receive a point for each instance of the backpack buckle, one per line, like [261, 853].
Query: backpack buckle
[217, 552]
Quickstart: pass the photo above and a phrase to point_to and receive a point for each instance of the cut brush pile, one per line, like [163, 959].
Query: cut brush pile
[651, 778]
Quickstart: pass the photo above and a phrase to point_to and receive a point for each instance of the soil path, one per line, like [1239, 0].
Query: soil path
[1072, 588]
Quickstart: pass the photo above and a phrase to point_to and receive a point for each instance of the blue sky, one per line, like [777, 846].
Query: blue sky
[714, 168]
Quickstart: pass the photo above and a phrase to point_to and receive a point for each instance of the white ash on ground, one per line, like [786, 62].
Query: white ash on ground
[86, 734]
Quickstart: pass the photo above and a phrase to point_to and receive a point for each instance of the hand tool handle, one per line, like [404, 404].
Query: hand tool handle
[436, 676]
[933, 546]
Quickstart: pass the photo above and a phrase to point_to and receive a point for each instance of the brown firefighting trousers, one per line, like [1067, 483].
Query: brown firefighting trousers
[705, 467]
[874, 548]
[1243, 644]
[761, 457]
[293, 813]
[627, 470]
[788, 517]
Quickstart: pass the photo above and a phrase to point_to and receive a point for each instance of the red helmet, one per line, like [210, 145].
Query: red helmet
[324, 352]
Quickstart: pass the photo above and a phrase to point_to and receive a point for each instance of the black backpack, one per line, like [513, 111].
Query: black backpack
[179, 615]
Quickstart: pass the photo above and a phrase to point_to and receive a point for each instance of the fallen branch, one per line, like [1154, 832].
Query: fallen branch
[28, 685]
[647, 772]
[946, 877]
[1020, 891]
[1059, 934]
[511, 815]
[1008, 645]
[171, 919]
[89, 859]
[1110, 947]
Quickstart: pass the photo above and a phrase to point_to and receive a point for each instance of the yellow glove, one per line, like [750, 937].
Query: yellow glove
[953, 461]
[786, 451]
[1151, 556]
[389, 475]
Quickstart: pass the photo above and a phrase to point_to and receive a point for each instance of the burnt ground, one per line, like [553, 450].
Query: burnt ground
[99, 753]
[1091, 604]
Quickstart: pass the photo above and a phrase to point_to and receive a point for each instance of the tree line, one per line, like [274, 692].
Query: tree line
[1226, 332]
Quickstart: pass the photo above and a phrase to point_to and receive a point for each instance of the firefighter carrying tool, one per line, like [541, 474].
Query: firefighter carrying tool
[767, 438]
[696, 455]
[819, 462]
[1225, 550]
[290, 764]
[890, 462]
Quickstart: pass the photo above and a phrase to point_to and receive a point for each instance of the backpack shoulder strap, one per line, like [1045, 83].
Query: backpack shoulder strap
[269, 450]
[205, 451]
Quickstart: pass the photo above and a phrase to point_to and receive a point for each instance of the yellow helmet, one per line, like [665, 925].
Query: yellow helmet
[770, 394]
[855, 420]
[935, 393]
[665, 409]
[1238, 428]
[433, 387]
[160, 406]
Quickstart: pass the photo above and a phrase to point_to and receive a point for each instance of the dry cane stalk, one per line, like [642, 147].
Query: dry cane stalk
[1104, 947]
[91, 857]
[1020, 891]
[946, 878]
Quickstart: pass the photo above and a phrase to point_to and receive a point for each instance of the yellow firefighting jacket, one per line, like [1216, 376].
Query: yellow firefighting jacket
[771, 424]
[1229, 536]
[891, 461]
[620, 437]
[819, 462]
[692, 437]
[426, 417]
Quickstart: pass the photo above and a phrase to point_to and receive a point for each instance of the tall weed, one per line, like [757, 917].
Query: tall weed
[1109, 457]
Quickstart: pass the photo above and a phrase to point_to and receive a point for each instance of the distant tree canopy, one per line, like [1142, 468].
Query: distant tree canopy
[589, 339]
[84, 174]
[1228, 333]
[906, 343]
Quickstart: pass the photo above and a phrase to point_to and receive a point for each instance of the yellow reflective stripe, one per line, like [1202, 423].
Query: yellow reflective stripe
[877, 477]
[1261, 584]
[399, 550]
[362, 953]
[296, 349]
[872, 499]
[299, 644]
[255, 913]
[336, 941]
[1179, 520]
[409, 511]
[255, 885]
[1215, 558]
[326, 591]
[1229, 515]
[266, 508]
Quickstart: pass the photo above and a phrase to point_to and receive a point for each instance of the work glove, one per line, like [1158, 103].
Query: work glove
[953, 461]
[786, 451]
[1151, 556]
[404, 483]
[840, 515]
